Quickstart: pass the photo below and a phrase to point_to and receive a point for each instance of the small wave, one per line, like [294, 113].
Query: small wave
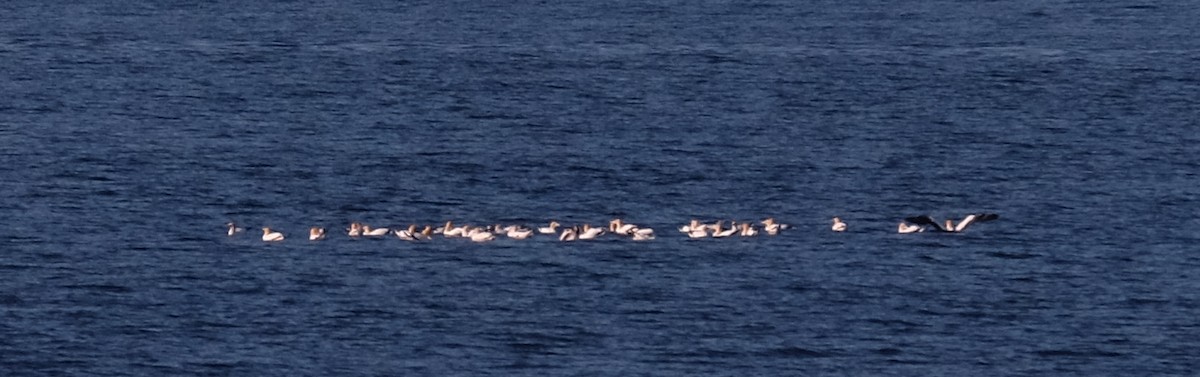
[798, 352]
[1076, 353]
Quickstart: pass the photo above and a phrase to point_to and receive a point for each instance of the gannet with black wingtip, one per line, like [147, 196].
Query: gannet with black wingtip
[271, 236]
[409, 234]
[233, 229]
[950, 227]
[316, 233]
[838, 225]
[906, 228]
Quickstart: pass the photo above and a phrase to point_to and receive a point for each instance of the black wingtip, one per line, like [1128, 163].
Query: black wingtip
[920, 220]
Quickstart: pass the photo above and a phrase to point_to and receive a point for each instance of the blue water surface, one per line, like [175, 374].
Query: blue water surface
[131, 132]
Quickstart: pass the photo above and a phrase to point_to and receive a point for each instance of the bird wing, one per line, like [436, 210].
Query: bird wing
[965, 221]
[975, 218]
[925, 220]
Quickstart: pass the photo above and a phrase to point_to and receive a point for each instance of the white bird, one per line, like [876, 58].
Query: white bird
[517, 233]
[424, 234]
[589, 232]
[355, 230]
[719, 232]
[950, 227]
[480, 235]
[838, 225]
[642, 234]
[450, 231]
[552, 229]
[620, 228]
[905, 228]
[316, 233]
[748, 230]
[367, 230]
[698, 232]
[409, 234]
[771, 227]
[692, 227]
[271, 236]
[569, 234]
[234, 229]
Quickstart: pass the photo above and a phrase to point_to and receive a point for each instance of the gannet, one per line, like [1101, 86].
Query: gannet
[316, 233]
[838, 225]
[517, 233]
[719, 232]
[480, 235]
[450, 231]
[569, 234]
[234, 229]
[409, 234]
[367, 230]
[271, 236]
[619, 227]
[772, 227]
[589, 232]
[748, 230]
[642, 234]
[905, 228]
[552, 229]
[950, 227]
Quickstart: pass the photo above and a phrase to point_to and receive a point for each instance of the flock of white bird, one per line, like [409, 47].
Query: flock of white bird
[616, 227]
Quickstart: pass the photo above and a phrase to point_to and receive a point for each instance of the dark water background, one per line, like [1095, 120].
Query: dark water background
[131, 132]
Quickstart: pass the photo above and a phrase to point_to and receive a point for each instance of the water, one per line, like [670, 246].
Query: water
[132, 132]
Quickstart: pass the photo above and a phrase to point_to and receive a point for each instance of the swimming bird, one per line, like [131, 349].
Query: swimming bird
[355, 230]
[642, 234]
[271, 236]
[316, 233]
[748, 230]
[772, 227]
[589, 232]
[450, 231]
[693, 227]
[619, 227]
[905, 228]
[409, 234]
[950, 227]
[367, 230]
[552, 229]
[719, 232]
[838, 225]
[569, 234]
[517, 233]
[478, 234]
[234, 229]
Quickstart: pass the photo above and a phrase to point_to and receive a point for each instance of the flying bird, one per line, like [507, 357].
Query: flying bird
[950, 226]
